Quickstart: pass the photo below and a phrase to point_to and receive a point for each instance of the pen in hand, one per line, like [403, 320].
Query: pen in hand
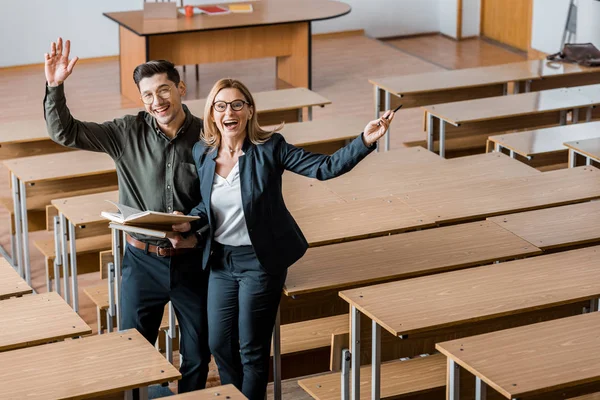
[395, 109]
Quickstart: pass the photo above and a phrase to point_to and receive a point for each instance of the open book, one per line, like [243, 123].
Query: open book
[130, 218]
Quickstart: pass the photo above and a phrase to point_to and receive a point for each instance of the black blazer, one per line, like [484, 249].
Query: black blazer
[275, 236]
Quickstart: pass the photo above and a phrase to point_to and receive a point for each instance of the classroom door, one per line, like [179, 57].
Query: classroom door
[507, 22]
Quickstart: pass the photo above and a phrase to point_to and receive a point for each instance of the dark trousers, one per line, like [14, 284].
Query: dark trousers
[148, 283]
[242, 302]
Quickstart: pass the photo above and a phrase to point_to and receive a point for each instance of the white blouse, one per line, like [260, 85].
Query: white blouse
[226, 205]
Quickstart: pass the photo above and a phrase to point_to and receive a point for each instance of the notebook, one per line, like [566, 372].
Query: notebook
[213, 10]
[240, 8]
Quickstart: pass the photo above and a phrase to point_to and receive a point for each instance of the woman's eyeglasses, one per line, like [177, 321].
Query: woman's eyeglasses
[236, 105]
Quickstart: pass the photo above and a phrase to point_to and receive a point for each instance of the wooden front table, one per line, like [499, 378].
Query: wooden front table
[276, 28]
[549, 359]
[589, 148]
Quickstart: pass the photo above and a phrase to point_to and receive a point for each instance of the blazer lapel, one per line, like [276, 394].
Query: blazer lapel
[246, 181]
[206, 182]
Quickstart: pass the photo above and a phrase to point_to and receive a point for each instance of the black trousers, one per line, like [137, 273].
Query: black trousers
[242, 302]
[147, 285]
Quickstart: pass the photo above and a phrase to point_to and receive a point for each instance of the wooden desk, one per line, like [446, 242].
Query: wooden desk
[331, 223]
[37, 180]
[555, 227]
[396, 257]
[85, 368]
[589, 148]
[228, 392]
[551, 359]
[543, 141]
[416, 90]
[491, 115]
[274, 29]
[389, 179]
[32, 320]
[11, 284]
[74, 214]
[416, 306]
[502, 196]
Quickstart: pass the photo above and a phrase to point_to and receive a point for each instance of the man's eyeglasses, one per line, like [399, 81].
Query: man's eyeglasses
[236, 105]
[164, 92]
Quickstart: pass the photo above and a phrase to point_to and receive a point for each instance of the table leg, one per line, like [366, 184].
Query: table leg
[505, 89]
[480, 389]
[388, 105]
[430, 138]
[170, 334]
[516, 87]
[528, 86]
[57, 254]
[310, 113]
[442, 138]
[512, 154]
[375, 361]
[345, 379]
[575, 118]
[588, 114]
[296, 67]
[143, 393]
[277, 392]
[355, 351]
[572, 158]
[25, 232]
[18, 256]
[110, 311]
[453, 383]
[65, 257]
[377, 105]
[116, 239]
[563, 117]
[73, 249]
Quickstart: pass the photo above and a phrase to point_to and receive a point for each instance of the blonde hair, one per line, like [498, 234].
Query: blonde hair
[211, 135]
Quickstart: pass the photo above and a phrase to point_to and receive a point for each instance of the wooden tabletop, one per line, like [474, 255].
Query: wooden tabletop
[50, 167]
[480, 76]
[81, 210]
[469, 201]
[300, 192]
[555, 227]
[392, 179]
[403, 256]
[11, 284]
[547, 140]
[531, 360]
[228, 392]
[333, 222]
[323, 130]
[443, 300]
[83, 368]
[588, 147]
[469, 111]
[266, 12]
[32, 320]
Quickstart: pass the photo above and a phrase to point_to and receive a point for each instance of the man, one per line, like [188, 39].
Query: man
[153, 156]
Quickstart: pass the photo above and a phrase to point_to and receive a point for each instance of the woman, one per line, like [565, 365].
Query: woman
[253, 238]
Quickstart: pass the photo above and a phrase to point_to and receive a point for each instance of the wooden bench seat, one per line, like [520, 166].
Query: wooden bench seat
[11, 284]
[88, 250]
[310, 335]
[36, 219]
[399, 379]
[228, 392]
[557, 227]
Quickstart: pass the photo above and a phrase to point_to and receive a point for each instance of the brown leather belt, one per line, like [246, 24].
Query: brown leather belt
[159, 251]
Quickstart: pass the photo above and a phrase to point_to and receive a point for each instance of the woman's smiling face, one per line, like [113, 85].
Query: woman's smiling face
[231, 122]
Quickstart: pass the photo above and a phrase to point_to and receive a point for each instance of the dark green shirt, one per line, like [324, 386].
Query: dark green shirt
[154, 172]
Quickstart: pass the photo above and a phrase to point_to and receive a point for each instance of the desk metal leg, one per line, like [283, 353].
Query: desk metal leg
[453, 375]
[375, 361]
[572, 158]
[528, 86]
[430, 138]
[512, 153]
[170, 334]
[377, 105]
[575, 118]
[116, 242]
[588, 114]
[73, 250]
[143, 393]
[57, 255]
[110, 311]
[277, 389]
[310, 113]
[516, 87]
[355, 351]
[480, 389]
[563, 117]
[388, 105]
[25, 231]
[588, 161]
[442, 138]
[505, 89]
[65, 257]
[18, 256]
[300, 114]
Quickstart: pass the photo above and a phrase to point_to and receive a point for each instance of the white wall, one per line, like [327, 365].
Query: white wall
[447, 16]
[471, 17]
[385, 18]
[28, 27]
[549, 17]
[588, 18]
